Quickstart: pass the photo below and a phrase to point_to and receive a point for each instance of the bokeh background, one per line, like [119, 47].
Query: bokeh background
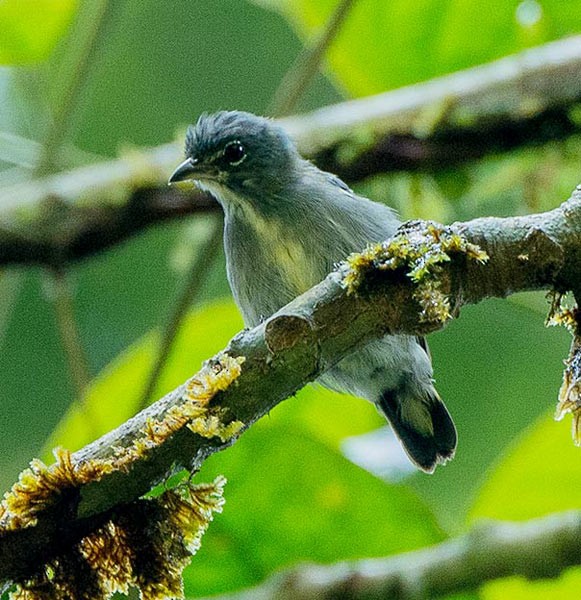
[313, 481]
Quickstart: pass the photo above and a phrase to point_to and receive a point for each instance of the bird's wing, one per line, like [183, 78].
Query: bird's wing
[334, 180]
[423, 343]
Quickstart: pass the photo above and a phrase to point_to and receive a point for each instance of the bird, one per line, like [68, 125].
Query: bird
[287, 224]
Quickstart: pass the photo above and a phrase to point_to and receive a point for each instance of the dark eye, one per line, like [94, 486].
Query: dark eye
[234, 153]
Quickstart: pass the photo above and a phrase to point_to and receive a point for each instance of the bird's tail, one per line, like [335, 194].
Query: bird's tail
[422, 424]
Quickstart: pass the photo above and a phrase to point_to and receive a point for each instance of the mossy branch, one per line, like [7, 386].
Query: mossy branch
[535, 549]
[526, 99]
[411, 284]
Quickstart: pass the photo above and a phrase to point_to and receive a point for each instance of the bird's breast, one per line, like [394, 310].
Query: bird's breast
[267, 266]
[286, 253]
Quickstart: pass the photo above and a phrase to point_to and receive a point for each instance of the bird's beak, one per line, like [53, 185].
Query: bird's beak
[187, 170]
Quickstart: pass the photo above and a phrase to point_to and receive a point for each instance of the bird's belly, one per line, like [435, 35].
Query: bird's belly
[291, 262]
[267, 269]
[378, 366]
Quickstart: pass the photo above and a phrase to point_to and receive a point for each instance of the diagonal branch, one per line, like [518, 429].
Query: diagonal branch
[526, 99]
[306, 65]
[283, 354]
[191, 288]
[92, 26]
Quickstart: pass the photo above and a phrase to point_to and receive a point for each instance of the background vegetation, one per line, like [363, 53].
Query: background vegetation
[88, 80]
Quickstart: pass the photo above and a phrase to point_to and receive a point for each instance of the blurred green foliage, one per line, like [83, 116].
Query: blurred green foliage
[292, 494]
[539, 474]
[388, 45]
[149, 82]
[20, 27]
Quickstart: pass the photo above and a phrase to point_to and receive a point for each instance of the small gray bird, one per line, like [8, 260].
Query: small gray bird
[287, 223]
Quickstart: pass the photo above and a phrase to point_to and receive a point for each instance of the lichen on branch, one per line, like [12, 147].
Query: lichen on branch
[146, 543]
[570, 392]
[418, 249]
[264, 365]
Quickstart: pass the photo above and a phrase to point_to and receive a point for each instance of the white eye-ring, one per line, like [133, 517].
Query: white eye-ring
[234, 153]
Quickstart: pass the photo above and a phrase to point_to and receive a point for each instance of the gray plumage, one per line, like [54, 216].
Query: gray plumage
[287, 223]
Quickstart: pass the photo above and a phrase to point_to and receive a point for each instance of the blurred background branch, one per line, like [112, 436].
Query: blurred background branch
[457, 111]
[525, 99]
[528, 99]
[296, 80]
[91, 28]
[292, 88]
[535, 549]
[200, 265]
[61, 296]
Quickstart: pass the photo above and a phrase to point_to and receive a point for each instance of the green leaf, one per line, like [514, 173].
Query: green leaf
[540, 475]
[30, 30]
[115, 394]
[565, 588]
[497, 368]
[290, 498]
[328, 416]
[385, 45]
[18, 150]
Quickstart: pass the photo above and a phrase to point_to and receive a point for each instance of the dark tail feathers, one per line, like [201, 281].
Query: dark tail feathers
[425, 428]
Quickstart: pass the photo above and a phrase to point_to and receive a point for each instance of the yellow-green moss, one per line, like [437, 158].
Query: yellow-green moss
[149, 541]
[570, 393]
[561, 313]
[210, 426]
[40, 486]
[420, 252]
[146, 545]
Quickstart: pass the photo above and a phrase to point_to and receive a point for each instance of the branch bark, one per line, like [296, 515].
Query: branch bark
[295, 346]
[525, 99]
[535, 549]
[520, 100]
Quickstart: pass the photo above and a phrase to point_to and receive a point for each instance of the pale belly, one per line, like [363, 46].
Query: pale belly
[267, 268]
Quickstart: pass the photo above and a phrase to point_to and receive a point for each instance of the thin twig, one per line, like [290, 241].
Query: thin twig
[68, 328]
[298, 79]
[62, 299]
[67, 103]
[292, 347]
[198, 271]
[305, 67]
[10, 286]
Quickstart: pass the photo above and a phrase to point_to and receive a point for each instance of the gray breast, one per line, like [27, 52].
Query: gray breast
[272, 258]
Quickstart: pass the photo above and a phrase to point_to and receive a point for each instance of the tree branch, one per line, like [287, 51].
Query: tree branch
[61, 231]
[91, 26]
[535, 549]
[521, 100]
[280, 356]
[191, 287]
[61, 296]
[525, 99]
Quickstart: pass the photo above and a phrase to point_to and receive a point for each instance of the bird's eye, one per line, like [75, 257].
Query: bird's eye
[234, 153]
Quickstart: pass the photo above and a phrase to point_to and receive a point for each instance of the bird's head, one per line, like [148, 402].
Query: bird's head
[237, 155]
